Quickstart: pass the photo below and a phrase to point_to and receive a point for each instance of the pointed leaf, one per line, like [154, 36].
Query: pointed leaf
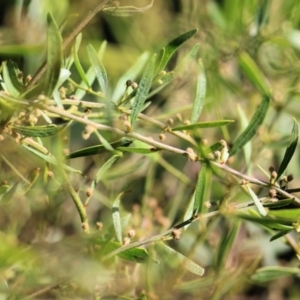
[186, 262]
[256, 201]
[54, 55]
[251, 129]
[272, 273]
[38, 131]
[124, 142]
[171, 48]
[279, 235]
[210, 124]
[143, 90]
[98, 68]
[200, 94]
[13, 84]
[254, 74]
[137, 150]
[290, 150]
[116, 216]
[200, 192]
[225, 245]
[105, 167]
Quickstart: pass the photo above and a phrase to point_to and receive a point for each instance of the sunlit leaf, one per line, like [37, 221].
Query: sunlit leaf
[170, 49]
[272, 273]
[290, 150]
[98, 68]
[290, 215]
[210, 124]
[38, 131]
[11, 78]
[256, 201]
[123, 142]
[254, 74]
[143, 90]
[186, 262]
[54, 55]
[200, 94]
[251, 129]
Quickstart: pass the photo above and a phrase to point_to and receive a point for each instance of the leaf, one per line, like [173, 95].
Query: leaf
[116, 216]
[251, 129]
[124, 142]
[290, 150]
[215, 147]
[131, 74]
[77, 62]
[271, 273]
[225, 245]
[210, 124]
[256, 201]
[126, 11]
[104, 168]
[90, 75]
[200, 94]
[186, 262]
[279, 235]
[54, 55]
[254, 74]
[143, 90]
[51, 159]
[289, 215]
[38, 131]
[98, 68]
[200, 193]
[167, 52]
[11, 78]
[277, 204]
[138, 255]
[268, 222]
[137, 150]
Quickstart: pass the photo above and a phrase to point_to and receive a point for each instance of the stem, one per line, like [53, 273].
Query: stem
[78, 28]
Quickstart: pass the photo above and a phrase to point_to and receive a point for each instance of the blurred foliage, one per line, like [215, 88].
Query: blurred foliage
[93, 172]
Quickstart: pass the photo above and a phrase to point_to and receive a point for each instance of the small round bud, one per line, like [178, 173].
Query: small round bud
[271, 169]
[179, 117]
[89, 192]
[99, 225]
[88, 110]
[128, 83]
[134, 85]
[126, 241]
[162, 137]
[207, 204]
[85, 226]
[127, 126]
[66, 151]
[223, 143]
[176, 233]
[290, 177]
[131, 233]
[28, 78]
[273, 174]
[244, 182]
[50, 174]
[20, 75]
[187, 122]
[272, 193]
[204, 142]
[170, 122]
[160, 82]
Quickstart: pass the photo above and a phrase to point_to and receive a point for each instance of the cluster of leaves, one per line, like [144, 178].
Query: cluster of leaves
[28, 111]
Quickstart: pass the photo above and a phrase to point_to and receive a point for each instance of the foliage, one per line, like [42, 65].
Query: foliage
[160, 195]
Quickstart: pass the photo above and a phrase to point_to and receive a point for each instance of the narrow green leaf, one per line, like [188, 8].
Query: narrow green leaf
[38, 131]
[91, 76]
[13, 72]
[290, 215]
[256, 201]
[251, 129]
[116, 216]
[143, 90]
[51, 159]
[200, 94]
[131, 74]
[215, 147]
[200, 192]
[8, 84]
[186, 262]
[123, 142]
[278, 204]
[126, 11]
[105, 167]
[137, 150]
[77, 62]
[138, 255]
[270, 223]
[210, 124]
[54, 55]
[254, 74]
[187, 59]
[271, 273]
[98, 68]
[290, 150]
[279, 235]
[225, 245]
[171, 48]
[189, 210]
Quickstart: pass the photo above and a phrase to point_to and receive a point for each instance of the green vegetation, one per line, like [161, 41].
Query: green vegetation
[151, 158]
